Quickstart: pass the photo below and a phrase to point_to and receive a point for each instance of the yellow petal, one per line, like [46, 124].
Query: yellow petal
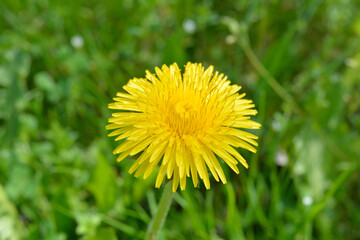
[160, 175]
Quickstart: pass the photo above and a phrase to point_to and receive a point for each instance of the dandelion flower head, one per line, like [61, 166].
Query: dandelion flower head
[183, 123]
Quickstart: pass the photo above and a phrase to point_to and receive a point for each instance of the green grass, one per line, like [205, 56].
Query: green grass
[298, 60]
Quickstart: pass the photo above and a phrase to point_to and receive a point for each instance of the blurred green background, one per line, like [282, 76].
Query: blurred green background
[62, 62]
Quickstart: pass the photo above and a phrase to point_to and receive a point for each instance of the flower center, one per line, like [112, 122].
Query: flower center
[184, 109]
[183, 117]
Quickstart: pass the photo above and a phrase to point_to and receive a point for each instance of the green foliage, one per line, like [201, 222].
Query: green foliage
[60, 65]
[103, 184]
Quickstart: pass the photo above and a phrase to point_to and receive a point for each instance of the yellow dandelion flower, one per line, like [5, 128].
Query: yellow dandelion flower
[182, 123]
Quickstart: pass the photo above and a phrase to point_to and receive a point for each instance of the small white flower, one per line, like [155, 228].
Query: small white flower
[77, 41]
[276, 125]
[281, 158]
[307, 200]
[189, 26]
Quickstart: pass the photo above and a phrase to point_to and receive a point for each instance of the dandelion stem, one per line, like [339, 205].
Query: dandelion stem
[158, 220]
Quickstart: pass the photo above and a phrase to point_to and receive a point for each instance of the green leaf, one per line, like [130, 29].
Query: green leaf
[104, 233]
[87, 223]
[103, 184]
[21, 183]
[44, 81]
[10, 226]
